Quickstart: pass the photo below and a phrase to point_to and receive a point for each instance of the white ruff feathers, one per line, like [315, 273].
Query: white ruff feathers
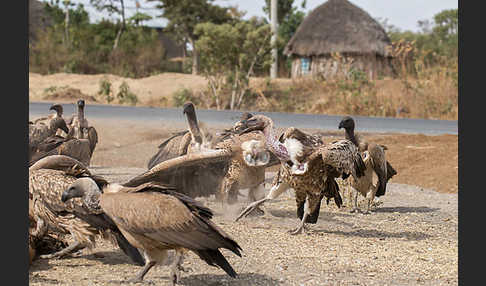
[295, 149]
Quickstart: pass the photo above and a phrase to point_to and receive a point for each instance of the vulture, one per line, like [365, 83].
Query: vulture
[79, 149]
[156, 218]
[223, 178]
[45, 127]
[376, 162]
[48, 179]
[79, 127]
[197, 180]
[308, 166]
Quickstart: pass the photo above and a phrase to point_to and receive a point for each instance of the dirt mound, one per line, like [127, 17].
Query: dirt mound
[67, 93]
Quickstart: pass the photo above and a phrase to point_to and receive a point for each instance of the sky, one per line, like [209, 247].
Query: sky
[403, 14]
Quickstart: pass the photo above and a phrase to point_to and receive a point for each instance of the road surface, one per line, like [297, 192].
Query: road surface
[225, 118]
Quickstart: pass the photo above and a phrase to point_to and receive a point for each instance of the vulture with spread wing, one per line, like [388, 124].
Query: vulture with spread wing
[308, 166]
[224, 177]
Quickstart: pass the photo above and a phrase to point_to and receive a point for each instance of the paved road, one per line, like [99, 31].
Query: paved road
[226, 118]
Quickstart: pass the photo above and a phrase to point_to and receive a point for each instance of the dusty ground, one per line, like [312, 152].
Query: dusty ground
[410, 239]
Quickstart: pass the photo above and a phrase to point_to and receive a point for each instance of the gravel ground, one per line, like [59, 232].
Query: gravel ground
[411, 238]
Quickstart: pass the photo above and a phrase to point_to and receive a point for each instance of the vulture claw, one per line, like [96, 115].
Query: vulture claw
[250, 208]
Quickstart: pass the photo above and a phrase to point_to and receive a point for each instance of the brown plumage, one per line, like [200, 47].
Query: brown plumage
[45, 127]
[79, 127]
[376, 162]
[308, 166]
[79, 149]
[48, 178]
[156, 218]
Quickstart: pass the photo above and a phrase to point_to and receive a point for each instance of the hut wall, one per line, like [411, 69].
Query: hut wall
[328, 67]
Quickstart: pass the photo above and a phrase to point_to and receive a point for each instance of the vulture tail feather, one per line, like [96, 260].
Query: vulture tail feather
[214, 258]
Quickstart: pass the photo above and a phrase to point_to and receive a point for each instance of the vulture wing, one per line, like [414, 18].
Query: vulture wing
[172, 147]
[343, 156]
[92, 138]
[162, 172]
[163, 219]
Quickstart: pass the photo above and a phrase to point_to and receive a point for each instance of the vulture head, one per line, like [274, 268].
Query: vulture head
[81, 103]
[347, 123]
[85, 188]
[58, 123]
[255, 122]
[58, 108]
[254, 153]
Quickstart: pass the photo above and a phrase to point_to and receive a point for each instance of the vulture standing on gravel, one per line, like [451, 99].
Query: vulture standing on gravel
[308, 166]
[223, 178]
[375, 161]
[48, 179]
[156, 218]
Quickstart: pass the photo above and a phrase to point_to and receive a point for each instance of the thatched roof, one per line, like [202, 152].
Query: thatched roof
[338, 26]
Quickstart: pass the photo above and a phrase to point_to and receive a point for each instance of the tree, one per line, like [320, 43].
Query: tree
[229, 55]
[184, 15]
[111, 6]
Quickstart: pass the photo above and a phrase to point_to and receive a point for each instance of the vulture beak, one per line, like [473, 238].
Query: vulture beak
[341, 125]
[70, 194]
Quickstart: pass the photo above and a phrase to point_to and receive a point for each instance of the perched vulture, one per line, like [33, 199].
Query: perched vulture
[79, 127]
[224, 177]
[308, 166]
[376, 161]
[43, 129]
[48, 179]
[156, 218]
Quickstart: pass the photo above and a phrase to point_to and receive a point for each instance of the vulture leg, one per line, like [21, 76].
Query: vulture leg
[176, 267]
[252, 198]
[302, 228]
[71, 248]
[355, 200]
[275, 191]
[142, 272]
[370, 196]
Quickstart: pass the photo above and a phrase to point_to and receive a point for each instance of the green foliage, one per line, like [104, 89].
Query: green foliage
[125, 95]
[105, 90]
[230, 54]
[184, 95]
[90, 50]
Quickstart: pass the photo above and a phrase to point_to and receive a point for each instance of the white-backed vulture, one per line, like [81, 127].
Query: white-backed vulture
[79, 127]
[48, 179]
[308, 166]
[223, 178]
[376, 162]
[156, 218]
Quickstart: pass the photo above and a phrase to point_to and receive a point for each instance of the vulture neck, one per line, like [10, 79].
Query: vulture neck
[193, 127]
[275, 146]
[81, 113]
[351, 137]
[92, 201]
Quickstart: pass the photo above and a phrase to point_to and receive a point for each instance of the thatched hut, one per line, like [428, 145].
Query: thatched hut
[336, 38]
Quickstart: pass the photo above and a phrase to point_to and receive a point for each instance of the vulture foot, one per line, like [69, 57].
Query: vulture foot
[141, 274]
[63, 252]
[176, 268]
[250, 208]
[301, 229]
